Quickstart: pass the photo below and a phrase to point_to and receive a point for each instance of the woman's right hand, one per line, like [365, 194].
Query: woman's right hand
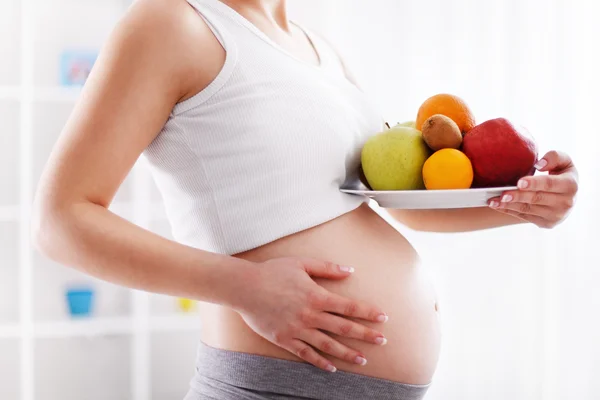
[288, 308]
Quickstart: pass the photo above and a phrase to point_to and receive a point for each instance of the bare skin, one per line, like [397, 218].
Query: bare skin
[286, 299]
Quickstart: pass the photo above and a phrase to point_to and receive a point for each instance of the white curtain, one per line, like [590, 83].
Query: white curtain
[520, 306]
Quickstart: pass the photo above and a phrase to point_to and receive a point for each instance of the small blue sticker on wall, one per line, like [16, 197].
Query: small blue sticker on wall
[75, 67]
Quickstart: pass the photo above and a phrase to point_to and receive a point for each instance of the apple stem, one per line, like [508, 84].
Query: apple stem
[388, 125]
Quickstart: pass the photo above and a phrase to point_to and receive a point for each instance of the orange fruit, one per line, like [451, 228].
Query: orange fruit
[448, 169]
[449, 105]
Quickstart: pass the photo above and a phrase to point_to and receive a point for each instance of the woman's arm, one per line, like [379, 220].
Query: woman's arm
[544, 200]
[159, 54]
[125, 102]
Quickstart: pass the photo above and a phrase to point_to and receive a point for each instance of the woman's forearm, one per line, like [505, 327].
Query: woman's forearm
[453, 220]
[96, 241]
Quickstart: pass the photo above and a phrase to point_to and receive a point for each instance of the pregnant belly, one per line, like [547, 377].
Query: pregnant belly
[387, 274]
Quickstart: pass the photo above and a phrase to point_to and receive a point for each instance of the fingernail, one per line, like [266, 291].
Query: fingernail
[494, 204]
[331, 368]
[523, 184]
[381, 341]
[507, 198]
[360, 360]
[344, 268]
[541, 164]
[382, 318]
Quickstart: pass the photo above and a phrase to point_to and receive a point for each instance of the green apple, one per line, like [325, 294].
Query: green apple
[394, 159]
[409, 124]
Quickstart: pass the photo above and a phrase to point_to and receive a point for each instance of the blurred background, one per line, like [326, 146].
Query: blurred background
[519, 305]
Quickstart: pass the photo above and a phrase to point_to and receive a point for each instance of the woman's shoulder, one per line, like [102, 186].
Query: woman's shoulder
[169, 35]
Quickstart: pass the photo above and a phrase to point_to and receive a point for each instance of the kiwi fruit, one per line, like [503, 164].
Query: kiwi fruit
[441, 132]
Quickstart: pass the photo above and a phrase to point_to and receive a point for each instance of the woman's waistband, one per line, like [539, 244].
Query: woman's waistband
[285, 378]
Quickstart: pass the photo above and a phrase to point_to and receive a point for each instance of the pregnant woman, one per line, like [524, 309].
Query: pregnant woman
[251, 124]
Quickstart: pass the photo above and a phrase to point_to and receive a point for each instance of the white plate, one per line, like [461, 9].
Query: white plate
[428, 199]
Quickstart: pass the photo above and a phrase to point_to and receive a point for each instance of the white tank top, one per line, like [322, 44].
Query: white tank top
[262, 151]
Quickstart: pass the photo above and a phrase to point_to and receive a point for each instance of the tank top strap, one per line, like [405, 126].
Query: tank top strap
[227, 40]
[214, 19]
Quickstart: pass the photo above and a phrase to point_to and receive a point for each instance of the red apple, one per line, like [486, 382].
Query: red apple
[501, 153]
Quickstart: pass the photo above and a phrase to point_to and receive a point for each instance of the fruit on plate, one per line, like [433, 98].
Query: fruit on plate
[441, 132]
[500, 152]
[393, 159]
[449, 105]
[448, 169]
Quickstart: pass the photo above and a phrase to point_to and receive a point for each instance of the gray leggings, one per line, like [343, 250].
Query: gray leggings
[229, 375]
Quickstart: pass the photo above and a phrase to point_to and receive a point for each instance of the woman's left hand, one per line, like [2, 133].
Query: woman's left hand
[544, 200]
